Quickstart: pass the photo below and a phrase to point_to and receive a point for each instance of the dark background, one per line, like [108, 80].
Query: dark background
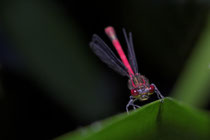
[50, 81]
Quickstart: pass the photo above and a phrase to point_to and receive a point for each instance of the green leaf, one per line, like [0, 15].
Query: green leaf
[193, 85]
[167, 120]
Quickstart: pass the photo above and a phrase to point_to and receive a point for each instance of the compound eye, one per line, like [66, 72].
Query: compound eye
[134, 92]
[152, 89]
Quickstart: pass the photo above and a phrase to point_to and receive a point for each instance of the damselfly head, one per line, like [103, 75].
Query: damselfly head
[140, 87]
[142, 93]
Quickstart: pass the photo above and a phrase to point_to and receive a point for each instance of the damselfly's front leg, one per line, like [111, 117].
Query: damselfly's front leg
[131, 103]
[159, 95]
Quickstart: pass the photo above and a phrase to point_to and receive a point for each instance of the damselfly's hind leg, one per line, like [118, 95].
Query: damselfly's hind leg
[159, 95]
[131, 103]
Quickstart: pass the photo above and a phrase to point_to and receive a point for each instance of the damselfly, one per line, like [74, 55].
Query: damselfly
[139, 85]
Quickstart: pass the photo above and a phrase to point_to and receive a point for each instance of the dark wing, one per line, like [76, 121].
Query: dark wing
[106, 55]
[131, 52]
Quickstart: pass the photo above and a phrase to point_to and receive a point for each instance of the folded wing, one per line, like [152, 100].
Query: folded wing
[101, 49]
[131, 52]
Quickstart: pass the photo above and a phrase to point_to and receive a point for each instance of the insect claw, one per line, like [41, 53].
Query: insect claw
[127, 110]
[137, 106]
[162, 100]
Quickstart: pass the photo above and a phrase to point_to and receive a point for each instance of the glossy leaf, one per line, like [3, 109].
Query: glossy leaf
[167, 120]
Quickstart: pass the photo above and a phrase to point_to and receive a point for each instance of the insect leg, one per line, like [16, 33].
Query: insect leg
[159, 95]
[131, 103]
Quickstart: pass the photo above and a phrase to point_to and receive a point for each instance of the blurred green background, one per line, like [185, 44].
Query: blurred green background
[51, 82]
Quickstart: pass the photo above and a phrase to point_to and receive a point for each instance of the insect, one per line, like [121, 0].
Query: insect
[139, 85]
